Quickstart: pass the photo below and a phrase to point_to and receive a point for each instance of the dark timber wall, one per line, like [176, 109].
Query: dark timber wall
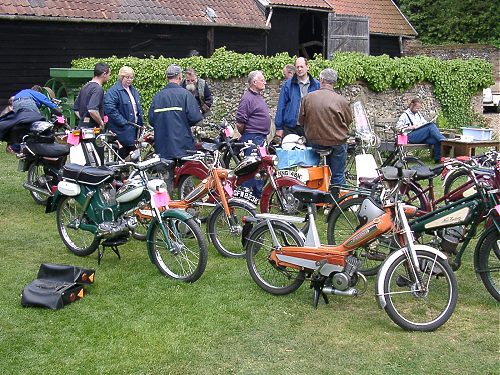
[29, 48]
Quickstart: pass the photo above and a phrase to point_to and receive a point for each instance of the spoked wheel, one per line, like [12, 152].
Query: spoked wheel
[423, 308]
[455, 180]
[271, 277]
[187, 184]
[79, 241]
[225, 230]
[344, 222]
[36, 177]
[489, 262]
[178, 249]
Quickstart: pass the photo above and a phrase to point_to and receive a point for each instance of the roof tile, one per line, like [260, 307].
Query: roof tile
[237, 13]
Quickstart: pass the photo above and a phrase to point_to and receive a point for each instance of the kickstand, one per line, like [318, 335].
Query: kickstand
[317, 293]
[100, 254]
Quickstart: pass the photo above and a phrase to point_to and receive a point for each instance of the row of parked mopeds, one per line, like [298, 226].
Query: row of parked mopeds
[390, 226]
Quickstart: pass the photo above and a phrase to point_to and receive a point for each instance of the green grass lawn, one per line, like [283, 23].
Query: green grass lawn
[134, 321]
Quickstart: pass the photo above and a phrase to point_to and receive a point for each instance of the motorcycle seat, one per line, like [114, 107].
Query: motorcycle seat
[87, 175]
[52, 150]
[308, 195]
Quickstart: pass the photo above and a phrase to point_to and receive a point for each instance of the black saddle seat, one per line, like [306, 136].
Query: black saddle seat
[308, 195]
[87, 175]
[323, 151]
[51, 150]
[423, 172]
[391, 173]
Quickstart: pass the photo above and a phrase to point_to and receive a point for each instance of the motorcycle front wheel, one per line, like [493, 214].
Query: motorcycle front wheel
[79, 241]
[35, 171]
[178, 249]
[425, 308]
[225, 230]
[273, 278]
[489, 262]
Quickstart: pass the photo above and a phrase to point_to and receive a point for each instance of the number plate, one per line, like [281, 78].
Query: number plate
[246, 194]
[302, 174]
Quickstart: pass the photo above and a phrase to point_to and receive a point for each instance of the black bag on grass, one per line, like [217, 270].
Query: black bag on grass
[56, 286]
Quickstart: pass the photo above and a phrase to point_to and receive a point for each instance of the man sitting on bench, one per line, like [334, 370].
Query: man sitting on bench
[421, 130]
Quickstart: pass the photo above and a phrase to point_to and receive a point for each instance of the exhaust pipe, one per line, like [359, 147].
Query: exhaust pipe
[351, 292]
[36, 189]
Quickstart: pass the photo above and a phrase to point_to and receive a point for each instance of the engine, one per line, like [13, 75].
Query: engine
[346, 278]
[450, 238]
[119, 228]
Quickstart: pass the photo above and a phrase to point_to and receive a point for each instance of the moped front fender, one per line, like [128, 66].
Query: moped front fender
[191, 168]
[379, 286]
[284, 181]
[53, 201]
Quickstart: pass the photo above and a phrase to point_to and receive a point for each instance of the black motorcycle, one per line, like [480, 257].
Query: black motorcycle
[42, 157]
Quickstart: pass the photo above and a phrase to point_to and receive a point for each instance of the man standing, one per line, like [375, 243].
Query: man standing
[287, 112]
[253, 120]
[89, 105]
[326, 116]
[172, 113]
[421, 130]
[200, 90]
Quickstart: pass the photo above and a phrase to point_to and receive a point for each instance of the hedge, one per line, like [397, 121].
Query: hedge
[455, 82]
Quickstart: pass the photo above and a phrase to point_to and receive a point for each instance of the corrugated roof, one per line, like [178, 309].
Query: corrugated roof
[321, 4]
[235, 13]
[385, 17]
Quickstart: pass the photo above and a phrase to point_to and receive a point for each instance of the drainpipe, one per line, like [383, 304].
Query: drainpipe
[269, 16]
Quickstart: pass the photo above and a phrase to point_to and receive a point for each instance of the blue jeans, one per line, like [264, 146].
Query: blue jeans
[337, 161]
[428, 134]
[258, 140]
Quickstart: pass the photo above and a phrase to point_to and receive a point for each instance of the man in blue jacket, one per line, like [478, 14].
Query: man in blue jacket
[291, 93]
[122, 104]
[172, 113]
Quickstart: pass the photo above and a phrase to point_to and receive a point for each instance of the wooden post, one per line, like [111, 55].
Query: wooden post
[210, 41]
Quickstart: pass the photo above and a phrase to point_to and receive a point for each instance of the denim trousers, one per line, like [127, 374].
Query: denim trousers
[258, 140]
[430, 135]
[336, 160]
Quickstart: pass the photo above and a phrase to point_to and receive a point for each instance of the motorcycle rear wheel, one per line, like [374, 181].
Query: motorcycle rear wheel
[35, 171]
[272, 278]
[80, 242]
[182, 253]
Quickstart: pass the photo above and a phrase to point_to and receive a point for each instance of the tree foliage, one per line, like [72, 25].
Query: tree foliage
[464, 21]
[454, 81]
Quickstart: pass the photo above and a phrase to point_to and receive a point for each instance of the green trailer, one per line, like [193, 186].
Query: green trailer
[64, 85]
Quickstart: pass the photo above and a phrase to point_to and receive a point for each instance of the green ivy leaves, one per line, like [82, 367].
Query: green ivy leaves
[455, 82]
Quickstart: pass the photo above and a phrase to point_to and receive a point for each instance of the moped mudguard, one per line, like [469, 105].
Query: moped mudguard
[53, 201]
[379, 285]
[191, 168]
[284, 181]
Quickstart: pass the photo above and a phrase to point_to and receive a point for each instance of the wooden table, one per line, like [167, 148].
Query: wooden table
[461, 148]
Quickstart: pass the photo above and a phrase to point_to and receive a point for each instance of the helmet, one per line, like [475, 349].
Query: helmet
[39, 127]
[293, 142]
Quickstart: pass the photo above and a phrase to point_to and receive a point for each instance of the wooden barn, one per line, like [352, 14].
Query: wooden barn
[38, 34]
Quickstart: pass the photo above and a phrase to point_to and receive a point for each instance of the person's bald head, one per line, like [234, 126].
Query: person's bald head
[301, 67]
